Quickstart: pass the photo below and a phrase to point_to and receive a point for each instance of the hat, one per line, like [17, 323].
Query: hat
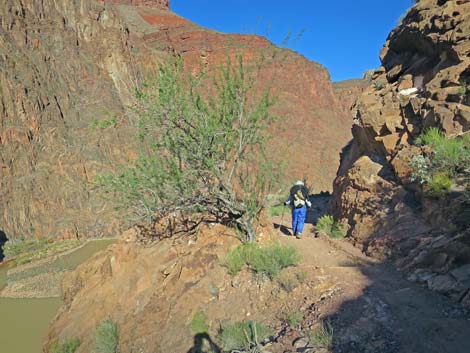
[299, 182]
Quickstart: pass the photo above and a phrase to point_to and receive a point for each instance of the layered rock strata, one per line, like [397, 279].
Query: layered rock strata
[68, 71]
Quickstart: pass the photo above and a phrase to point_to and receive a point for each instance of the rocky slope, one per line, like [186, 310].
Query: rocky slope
[153, 293]
[68, 71]
[421, 84]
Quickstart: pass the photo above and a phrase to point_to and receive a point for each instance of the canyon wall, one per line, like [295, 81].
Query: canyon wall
[68, 72]
[422, 83]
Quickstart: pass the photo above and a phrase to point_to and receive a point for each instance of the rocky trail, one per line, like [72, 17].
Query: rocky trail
[373, 308]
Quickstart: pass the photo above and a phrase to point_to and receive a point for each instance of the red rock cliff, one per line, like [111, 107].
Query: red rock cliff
[66, 65]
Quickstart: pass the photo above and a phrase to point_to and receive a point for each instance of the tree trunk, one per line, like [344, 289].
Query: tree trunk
[247, 226]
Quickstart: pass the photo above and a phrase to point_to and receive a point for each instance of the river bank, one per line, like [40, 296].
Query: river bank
[29, 296]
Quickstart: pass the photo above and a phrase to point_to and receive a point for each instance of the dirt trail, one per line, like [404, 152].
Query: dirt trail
[374, 308]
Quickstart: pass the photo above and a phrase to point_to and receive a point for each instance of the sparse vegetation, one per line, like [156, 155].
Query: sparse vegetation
[436, 169]
[268, 260]
[332, 228]
[244, 335]
[321, 336]
[106, 337]
[199, 323]
[439, 185]
[102, 124]
[463, 88]
[295, 318]
[69, 346]
[277, 210]
[200, 152]
[379, 84]
[23, 251]
[288, 282]
[302, 276]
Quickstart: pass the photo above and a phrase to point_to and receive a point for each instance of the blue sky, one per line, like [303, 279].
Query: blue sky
[343, 35]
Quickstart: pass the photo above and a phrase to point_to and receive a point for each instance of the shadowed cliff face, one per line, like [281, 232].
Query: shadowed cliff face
[421, 84]
[68, 71]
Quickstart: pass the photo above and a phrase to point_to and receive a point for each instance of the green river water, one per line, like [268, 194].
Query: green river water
[24, 322]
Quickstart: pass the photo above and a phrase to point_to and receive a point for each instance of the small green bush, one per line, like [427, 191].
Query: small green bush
[243, 335]
[268, 260]
[448, 152]
[439, 185]
[448, 157]
[333, 229]
[198, 323]
[431, 137]
[322, 336]
[235, 260]
[106, 337]
[69, 346]
[295, 318]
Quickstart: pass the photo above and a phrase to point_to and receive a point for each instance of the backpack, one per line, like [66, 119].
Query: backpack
[298, 196]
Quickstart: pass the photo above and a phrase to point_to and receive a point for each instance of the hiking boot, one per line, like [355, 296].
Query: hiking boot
[298, 235]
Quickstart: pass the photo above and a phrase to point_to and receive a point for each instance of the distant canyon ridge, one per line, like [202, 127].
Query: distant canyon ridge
[68, 72]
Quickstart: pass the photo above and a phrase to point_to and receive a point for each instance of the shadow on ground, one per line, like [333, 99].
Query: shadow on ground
[393, 315]
[203, 343]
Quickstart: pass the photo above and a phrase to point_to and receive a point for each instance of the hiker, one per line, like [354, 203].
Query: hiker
[298, 199]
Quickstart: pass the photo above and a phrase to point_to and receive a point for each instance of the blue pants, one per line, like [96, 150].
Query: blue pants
[298, 219]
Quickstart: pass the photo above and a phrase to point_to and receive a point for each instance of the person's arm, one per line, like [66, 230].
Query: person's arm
[306, 194]
[288, 201]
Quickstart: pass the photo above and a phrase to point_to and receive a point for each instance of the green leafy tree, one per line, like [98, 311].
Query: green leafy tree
[202, 147]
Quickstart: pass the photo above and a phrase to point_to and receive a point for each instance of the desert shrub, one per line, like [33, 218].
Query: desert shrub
[106, 337]
[235, 260]
[332, 228]
[447, 157]
[243, 335]
[321, 336]
[268, 260]
[198, 323]
[439, 184]
[199, 152]
[421, 166]
[69, 346]
[288, 282]
[301, 276]
[447, 152]
[431, 137]
[295, 318]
